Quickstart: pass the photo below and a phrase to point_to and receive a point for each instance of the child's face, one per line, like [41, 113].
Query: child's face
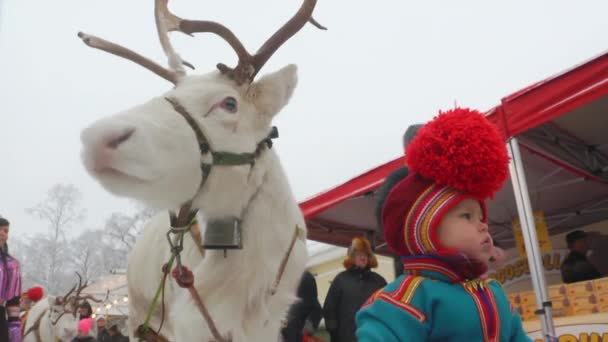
[462, 228]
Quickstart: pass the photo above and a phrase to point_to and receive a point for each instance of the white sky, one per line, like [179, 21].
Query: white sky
[382, 66]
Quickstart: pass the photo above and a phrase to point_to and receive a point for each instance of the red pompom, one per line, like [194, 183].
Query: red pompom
[460, 148]
[35, 293]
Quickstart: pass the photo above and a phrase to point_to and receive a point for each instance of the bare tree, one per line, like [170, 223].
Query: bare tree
[87, 254]
[124, 229]
[61, 209]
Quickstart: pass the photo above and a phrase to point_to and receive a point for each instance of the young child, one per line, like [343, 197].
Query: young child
[84, 329]
[436, 220]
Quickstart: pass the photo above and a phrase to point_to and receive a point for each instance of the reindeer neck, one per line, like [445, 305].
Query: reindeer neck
[268, 222]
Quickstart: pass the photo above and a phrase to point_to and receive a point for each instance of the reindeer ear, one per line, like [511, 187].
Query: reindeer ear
[273, 91]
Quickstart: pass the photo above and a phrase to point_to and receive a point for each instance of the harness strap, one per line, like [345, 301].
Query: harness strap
[203, 309]
[203, 144]
[283, 264]
[185, 279]
[219, 157]
[184, 219]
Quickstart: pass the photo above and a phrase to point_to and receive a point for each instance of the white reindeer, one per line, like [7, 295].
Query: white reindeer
[49, 322]
[205, 145]
[55, 319]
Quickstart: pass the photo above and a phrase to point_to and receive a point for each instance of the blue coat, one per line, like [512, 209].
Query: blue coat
[432, 302]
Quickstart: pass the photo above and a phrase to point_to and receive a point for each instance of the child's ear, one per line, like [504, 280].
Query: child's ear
[273, 91]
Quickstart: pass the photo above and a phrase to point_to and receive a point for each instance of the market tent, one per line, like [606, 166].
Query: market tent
[112, 291]
[561, 124]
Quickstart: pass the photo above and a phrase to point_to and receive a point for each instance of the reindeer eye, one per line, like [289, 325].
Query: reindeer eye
[229, 104]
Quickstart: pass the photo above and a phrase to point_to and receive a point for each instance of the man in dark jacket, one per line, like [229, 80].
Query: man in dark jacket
[116, 335]
[576, 267]
[307, 309]
[350, 289]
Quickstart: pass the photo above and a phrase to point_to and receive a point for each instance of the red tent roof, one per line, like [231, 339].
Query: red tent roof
[561, 124]
[551, 98]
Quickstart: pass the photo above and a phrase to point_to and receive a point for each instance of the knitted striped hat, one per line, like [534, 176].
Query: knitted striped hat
[457, 155]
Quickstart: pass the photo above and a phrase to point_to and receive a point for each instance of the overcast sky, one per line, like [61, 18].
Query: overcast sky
[382, 66]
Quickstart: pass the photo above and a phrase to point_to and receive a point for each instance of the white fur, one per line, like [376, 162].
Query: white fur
[142, 281]
[160, 165]
[65, 329]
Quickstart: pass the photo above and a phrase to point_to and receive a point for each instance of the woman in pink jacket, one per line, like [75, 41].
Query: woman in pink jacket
[10, 289]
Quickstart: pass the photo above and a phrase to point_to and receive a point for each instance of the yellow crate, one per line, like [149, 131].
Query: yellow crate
[524, 298]
[580, 289]
[601, 286]
[602, 302]
[560, 302]
[527, 312]
[558, 290]
[584, 304]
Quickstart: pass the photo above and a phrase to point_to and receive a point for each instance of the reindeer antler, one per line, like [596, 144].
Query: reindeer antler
[90, 297]
[288, 30]
[80, 287]
[115, 49]
[65, 298]
[248, 65]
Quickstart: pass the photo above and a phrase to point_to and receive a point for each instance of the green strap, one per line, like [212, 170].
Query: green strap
[160, 288]
[233, 159]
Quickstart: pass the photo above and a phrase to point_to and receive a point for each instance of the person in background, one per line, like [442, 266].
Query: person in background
[350, 289]
[84, 329]
[28, 299]
[10, 289]
[389, 182]
[116, 335]
[103, 335]
[576, 266]
[306, 309]
[85, 310]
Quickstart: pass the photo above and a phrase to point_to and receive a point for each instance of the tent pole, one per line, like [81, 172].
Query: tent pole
[526, 217]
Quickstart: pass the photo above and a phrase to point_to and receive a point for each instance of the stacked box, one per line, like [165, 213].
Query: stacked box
[559, 299]
[601, 292]
[582, 297]
[525, 303]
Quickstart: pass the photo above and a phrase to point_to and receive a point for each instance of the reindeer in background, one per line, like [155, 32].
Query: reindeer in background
[205, 146]
[56, 318]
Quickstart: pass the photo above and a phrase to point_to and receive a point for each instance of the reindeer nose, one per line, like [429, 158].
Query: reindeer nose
[114, 140]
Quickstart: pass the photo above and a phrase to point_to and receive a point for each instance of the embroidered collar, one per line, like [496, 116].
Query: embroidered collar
[457, 268]
[450, 267]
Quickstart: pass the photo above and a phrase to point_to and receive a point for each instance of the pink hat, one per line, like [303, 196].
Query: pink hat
[85, 325]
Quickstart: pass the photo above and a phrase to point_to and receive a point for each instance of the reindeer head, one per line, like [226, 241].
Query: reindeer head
[63, 323]
[69, 305]
[64, 312]
[153, 151]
